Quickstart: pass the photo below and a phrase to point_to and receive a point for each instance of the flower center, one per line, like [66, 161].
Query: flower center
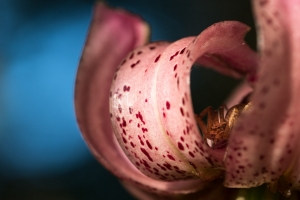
[215, 125]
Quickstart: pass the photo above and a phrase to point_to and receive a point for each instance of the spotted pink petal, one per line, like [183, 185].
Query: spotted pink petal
[264, 145]
[95, 73]
[113, 33]
[151, 108]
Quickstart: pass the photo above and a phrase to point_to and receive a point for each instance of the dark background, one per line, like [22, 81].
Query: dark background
[42, 154]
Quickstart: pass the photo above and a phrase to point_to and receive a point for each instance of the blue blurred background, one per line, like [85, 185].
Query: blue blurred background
[42, 154]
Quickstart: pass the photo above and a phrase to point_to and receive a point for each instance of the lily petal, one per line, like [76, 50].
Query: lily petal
[113, 33]
[214, 190]
[264, 144]
[151, 108]
[89, 87]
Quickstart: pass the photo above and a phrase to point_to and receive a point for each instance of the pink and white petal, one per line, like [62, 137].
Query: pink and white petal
[174, 98]
[291, 125]
[135, 117]
[151, 108]
[227, 52]
[263, 144]
[103, 51]
[113, 33]
[176, 113]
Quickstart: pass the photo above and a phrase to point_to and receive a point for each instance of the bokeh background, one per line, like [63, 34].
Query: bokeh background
[42, 154]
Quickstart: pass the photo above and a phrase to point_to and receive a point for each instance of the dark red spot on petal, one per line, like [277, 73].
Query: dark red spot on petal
[181, 110]
[144, 130]
[133, 145]
[126, 88]
[168, 105]
[163, 168]
[124, 122]
[194, 166]
[148, 144]
[265, 90]
[187, 114]
[134, 64]
[180, 146]
[182, 51]
[131, 55]
[171, 157]
[146, 154]
[141, 141]
[123, 62]
[171, 58]
[191, 154]
[262, 105]
[175, 67]
[188, 54]
[157, 58]
[139, 116]
[145, 163]
[168, 166]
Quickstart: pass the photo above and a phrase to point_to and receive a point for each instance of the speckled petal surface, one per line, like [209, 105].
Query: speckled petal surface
[113, 33]
[265, 142]
[151, 108]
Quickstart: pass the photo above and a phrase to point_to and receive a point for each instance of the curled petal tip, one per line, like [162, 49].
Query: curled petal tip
[113, 33]
[151, 108]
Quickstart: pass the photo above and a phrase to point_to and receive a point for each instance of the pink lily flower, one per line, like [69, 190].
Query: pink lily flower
[139, 121]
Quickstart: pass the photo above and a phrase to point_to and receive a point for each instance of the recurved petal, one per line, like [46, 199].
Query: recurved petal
[227, 52]
[151, 106]
[113, 33]
[264, 143]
